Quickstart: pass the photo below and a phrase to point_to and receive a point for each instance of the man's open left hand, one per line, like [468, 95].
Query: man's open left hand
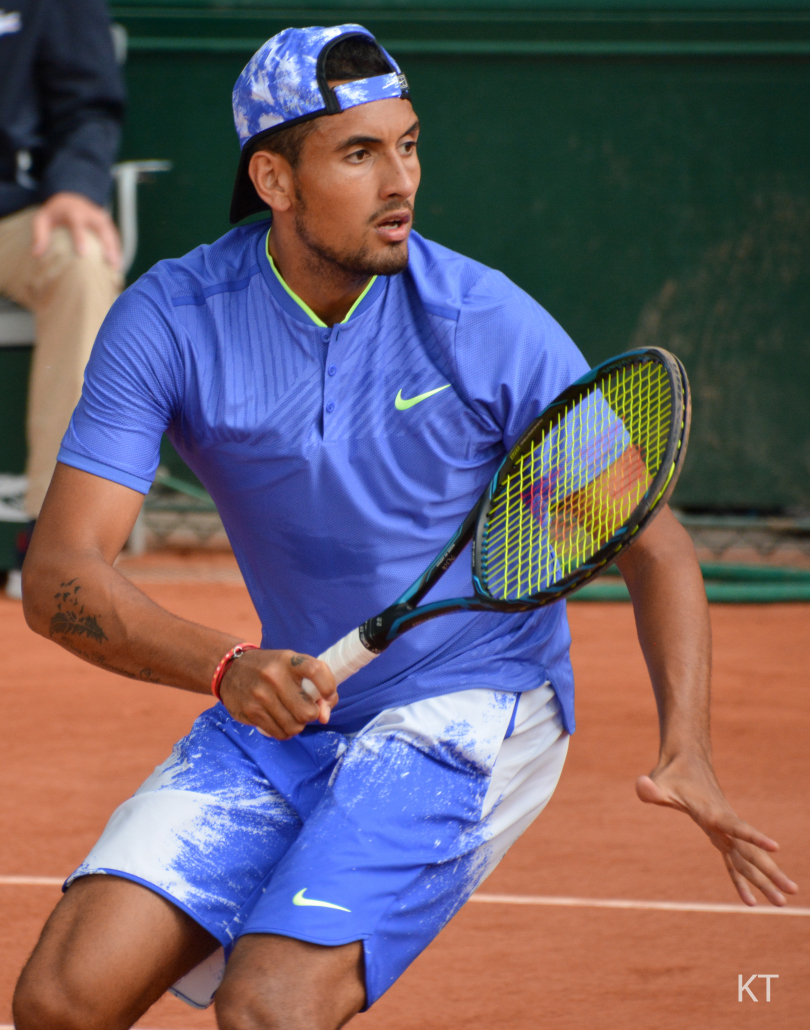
[690, 785]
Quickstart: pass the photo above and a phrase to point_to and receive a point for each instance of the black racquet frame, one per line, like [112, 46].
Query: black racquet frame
[380, 630]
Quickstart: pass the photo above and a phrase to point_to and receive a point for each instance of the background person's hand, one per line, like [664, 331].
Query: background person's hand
[690, 785]
[264, 689]
[79, 216]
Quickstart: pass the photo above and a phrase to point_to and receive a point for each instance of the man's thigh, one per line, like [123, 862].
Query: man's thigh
[110, 949]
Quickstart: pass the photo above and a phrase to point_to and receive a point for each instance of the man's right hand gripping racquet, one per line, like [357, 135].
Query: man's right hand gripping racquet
[574, 492]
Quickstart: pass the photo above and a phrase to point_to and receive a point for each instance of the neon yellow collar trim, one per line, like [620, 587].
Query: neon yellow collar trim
[302, 304]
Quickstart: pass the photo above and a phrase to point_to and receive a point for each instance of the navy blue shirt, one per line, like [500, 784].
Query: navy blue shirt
[334, 493]
[61, 101]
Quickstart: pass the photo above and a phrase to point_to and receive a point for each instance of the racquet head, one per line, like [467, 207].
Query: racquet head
[583, 481]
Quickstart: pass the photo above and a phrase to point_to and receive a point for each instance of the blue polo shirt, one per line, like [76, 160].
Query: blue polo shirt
[335, 491]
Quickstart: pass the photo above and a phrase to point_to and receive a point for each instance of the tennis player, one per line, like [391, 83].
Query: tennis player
[344, 388]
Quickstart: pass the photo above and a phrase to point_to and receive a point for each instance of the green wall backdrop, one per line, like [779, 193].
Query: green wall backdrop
[643, 170]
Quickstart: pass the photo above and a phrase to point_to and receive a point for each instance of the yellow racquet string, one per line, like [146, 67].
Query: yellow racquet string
[578, 484]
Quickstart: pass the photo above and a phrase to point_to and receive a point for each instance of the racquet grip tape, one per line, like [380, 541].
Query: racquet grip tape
[344, 658]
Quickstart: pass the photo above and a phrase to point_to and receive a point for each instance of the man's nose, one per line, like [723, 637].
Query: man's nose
[401, 178]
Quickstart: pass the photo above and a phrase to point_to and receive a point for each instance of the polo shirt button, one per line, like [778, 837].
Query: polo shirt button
[332, 369]
[325, 336]
[330, 407]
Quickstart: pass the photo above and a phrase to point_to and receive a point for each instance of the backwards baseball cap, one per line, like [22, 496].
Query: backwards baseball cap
[284, 83]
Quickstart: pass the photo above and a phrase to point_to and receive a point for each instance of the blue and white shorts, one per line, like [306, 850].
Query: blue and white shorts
[378, 836]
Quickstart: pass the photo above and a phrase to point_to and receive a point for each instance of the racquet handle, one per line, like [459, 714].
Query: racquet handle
[348, 656]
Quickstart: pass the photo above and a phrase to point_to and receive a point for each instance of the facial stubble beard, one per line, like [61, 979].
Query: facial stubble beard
[351, 267]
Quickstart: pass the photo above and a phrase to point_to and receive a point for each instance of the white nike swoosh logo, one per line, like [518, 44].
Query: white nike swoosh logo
[299, 899]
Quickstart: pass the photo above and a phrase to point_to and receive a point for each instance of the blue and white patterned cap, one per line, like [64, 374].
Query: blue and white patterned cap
[284, 83]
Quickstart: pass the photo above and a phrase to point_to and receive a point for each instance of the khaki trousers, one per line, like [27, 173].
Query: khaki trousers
[69, 297]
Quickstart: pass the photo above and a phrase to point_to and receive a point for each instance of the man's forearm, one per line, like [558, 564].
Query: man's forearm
[85, 605]
[672, 617]
[73, 595]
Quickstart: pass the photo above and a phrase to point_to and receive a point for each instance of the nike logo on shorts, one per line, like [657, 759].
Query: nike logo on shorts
[299, 899]
[403, 403]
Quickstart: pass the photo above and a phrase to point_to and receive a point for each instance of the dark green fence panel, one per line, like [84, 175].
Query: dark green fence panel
[14, 365]
[642, 170]
[650, 202]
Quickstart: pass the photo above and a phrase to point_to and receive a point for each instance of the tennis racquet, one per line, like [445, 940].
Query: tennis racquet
[573, 493]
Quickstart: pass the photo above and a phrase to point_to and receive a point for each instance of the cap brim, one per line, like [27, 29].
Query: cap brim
[245, 200]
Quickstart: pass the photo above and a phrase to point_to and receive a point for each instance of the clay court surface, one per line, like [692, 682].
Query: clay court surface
[77, 741]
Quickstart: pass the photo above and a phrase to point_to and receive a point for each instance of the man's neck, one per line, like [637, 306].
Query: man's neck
[322, 286]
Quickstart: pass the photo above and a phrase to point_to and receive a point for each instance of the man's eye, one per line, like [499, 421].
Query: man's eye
[358, 155]
[410, 146]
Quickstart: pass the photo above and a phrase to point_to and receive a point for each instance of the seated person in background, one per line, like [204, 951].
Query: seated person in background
[61, 107]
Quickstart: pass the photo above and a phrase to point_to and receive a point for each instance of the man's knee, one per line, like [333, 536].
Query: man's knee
[245, 1011]
[88, 271]
[243, 1004]
[108, 951]
[253, 1008]
[279, 983]
[42, 1002]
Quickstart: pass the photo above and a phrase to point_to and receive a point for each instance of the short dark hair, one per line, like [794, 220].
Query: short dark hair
[356, 57]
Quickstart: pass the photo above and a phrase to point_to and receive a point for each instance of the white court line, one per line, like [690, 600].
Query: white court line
[31, 881]
[536, 899]
[659, 906]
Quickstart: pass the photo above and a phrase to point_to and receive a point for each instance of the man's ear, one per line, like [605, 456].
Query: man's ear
[272, 179]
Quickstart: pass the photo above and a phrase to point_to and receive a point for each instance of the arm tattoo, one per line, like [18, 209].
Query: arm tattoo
[69, 620]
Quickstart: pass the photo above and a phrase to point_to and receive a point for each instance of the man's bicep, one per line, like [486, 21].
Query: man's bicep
[132, 389]
[84, 514]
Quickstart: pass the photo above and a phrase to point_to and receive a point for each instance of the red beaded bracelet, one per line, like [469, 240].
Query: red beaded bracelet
[221, 669]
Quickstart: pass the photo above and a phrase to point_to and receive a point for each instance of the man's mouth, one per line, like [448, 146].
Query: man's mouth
[394, 226]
